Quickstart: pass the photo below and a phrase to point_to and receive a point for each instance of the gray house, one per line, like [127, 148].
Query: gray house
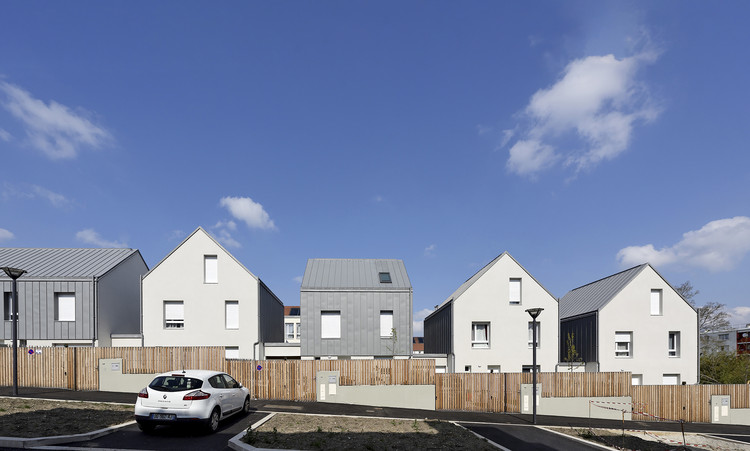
[355, 308]
[74, 297]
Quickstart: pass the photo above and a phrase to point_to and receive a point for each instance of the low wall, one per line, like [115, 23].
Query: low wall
[111, 378]
[404, 396]
[609, 408]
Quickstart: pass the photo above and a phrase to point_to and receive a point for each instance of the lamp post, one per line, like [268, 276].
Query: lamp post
[533, 312]
[14, 273]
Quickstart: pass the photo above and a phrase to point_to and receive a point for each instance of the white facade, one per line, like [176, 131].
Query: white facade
[653, 357]
[199, 295]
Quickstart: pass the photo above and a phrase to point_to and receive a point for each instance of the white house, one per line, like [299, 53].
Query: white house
[484, 327]
[632, 321]
[200, 295]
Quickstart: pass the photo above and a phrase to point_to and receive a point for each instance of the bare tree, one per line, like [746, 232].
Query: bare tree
[711, 316]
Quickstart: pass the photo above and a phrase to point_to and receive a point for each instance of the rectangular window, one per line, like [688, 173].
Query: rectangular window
[670, 379]
[330, 324]
[515, 291]
[493, 368]
[623, 344]
[232, 352]
[636, 379]
[232, 314]
[386, 323]
[656, 304]
[538, 334]
[65, 307]
[211, 268]
[674, 344]
[7, 306]
[289, 331]
[480, 335]
[527, 369]
[385, 277]
[174, 315]
[723, 336]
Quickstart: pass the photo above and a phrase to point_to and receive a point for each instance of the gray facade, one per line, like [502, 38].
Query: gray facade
[105, 284]
[271, 315]
[352, 288]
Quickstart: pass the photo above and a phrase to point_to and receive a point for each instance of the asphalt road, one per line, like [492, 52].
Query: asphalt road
[527, 438]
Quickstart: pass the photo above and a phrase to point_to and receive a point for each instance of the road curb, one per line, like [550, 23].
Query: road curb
[18, 442]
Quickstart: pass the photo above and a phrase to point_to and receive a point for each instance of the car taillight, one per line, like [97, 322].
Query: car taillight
[143, 393]
[197, 394]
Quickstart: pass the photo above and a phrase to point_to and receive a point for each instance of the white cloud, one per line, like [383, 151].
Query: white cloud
[4, 135]
[35, 191]
[739, 315]
[54, 129]
[223, 236]
[418, 322]
[90, 236]
[298, 279]
[430, 250]
[248, 211]
[718, 246]
[598, 100]
[6, 235]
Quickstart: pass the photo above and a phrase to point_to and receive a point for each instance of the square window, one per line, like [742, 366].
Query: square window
[467, 369]
[636, 379]
[211, 269]
[623, 344]
[174, 315]
[386, 323]
[7, 306]
[538, 334]
[330, 324]
[65, 307]
[480, 335]
[385, 277]
[674, 344]
[232, 314]
[231, 352]
[656, 302]
[515, 291]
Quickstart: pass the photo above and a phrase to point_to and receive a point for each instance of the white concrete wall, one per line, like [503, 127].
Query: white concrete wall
[630, 310]
[180, 277]
[488, 300]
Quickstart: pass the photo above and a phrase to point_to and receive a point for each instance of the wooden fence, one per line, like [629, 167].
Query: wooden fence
[684, 402]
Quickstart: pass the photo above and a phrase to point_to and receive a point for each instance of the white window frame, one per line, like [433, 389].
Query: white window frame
[673, 344]
[626, 338]
[330, 324]
[174, 315]
[290, 335]
[670, 379]
[657, 303]
[480, 343]
[210, 269]
[232, 315]
[231, 352]
[386, 324]
[65, 307]
[515, 291]
[538, 334]
[636, 379]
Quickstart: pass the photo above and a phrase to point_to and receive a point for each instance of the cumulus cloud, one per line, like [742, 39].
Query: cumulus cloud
[429, 251]
[248, 211]
[718, 246]
[598, 100]
[35, 191]
[6, 235]
[739, 315]
[90, 236]
[52, 128]
[418, 322]
[224, 237]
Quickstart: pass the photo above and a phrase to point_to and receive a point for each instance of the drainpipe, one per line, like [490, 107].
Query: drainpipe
[95, 282]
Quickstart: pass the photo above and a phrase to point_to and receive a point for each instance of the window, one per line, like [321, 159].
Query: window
[232, 314]
[623, 344]
[65, 307]
[527, 368]
[493, 368]
[723, 336]
[231, 352]
[7, 306]
[636, 379]
[670, 379]
[289, 331]
[480, 335]
[538, 334]
[211, 268]
[174, 315]
[467, 369]
[515, 291]
[330, 324]
[656, 304]
[674, 344]
[386, 323]
[385, 277]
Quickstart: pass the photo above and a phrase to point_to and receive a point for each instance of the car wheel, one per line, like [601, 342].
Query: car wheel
[246, 406]
[146, 427]
[213, 420]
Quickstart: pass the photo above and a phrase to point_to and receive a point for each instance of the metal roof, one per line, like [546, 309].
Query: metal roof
[354, 274]
[62, 263]
[595, 295]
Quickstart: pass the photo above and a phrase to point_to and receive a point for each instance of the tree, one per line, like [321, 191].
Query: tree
[571, 353]
[711, 316]
[724, 367]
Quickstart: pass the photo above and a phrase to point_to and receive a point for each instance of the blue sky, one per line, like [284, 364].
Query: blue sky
[582, 137]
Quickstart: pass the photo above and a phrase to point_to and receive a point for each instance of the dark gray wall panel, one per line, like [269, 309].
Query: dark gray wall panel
[438, 331]
[583, 329]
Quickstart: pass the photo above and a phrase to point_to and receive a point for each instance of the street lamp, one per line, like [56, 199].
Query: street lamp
[14, 273]
[533, 312]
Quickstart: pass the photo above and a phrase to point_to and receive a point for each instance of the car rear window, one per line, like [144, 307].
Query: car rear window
[175, 383]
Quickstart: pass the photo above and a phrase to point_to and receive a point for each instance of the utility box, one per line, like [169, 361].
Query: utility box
[527, 392]
[720, 409]
[326, 386]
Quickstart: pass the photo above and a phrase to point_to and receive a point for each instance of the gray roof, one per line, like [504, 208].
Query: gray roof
[62, 263]
[354, 274]
[595, 295]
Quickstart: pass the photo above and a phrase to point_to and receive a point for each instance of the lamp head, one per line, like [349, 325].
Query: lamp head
[534, 312]
[13, 273]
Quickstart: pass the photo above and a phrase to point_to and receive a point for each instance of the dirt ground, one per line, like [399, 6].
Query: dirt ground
[40, 418]
[651, 441]
[330, 432]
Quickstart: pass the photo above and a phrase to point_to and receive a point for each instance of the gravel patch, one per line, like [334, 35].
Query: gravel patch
[651, 440]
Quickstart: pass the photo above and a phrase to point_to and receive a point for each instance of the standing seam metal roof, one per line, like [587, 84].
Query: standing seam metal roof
[63, 263]
[595, 295]
[352, 274]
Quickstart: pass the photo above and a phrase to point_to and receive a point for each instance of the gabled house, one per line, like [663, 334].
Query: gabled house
[632, 321]
[356, 308]
[484, 327]
[72, 297]
[200, 295]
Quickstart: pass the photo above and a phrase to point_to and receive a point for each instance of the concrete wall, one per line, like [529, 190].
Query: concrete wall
[119, 299]
[630, 311]
[111, 378]
[610, 408]
[404, 396]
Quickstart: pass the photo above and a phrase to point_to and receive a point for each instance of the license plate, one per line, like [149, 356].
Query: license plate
[162, 416]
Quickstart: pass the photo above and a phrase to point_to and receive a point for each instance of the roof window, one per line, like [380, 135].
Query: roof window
[385, 277]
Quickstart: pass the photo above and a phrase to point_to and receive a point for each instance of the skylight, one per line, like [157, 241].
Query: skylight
[385, 277]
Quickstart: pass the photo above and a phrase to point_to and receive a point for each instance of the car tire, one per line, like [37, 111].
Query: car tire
[146, 427]
[213, 420]
[246, 405]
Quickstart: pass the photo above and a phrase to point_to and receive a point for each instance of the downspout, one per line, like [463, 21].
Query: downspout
[95, 281]
[257, 342]
[698, 346]
[140, 306]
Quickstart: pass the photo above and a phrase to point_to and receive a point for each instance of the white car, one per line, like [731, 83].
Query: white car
[190, 396]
